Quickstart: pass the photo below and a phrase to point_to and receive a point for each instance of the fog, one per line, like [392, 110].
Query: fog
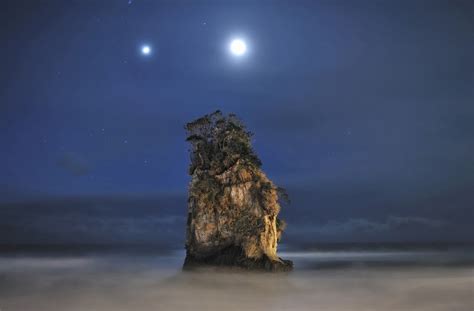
[360, 281]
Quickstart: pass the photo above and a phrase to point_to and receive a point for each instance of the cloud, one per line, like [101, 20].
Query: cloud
[395, 221]
[362, 225]
[97, 224]
[94, 228]
[74, 164]
[101, 219]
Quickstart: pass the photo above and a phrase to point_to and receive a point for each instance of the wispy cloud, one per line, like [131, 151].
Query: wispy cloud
[357, 225]
[74, 164]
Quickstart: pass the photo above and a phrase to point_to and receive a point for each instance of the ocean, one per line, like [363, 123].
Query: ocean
[344, 277]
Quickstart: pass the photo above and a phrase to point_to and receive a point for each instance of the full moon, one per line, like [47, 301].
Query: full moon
[146, 50]
[238, 47]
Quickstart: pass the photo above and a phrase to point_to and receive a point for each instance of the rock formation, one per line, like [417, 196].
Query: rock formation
[232, 206]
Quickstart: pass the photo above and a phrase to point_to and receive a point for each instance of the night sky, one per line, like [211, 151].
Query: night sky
[363, 110]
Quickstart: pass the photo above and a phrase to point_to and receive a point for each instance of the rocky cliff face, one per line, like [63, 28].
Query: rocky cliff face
[233, 207]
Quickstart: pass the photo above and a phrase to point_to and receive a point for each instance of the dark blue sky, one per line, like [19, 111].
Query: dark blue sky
[364, 110]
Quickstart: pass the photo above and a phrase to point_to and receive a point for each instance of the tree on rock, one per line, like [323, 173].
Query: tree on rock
[232, 206]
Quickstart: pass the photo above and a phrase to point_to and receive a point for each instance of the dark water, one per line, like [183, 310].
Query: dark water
[325, 279]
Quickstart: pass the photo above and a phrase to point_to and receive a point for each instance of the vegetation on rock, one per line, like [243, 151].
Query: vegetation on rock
[232, 206]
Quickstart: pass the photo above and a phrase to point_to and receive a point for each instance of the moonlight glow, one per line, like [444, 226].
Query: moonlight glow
[146, 50]
[238, 47]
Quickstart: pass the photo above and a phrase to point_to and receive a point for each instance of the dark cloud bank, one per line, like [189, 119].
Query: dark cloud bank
[161, 221]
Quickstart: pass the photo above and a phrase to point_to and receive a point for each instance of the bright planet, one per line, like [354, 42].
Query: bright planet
[146, 50]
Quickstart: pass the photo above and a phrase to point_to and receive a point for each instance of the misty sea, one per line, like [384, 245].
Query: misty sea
[328, 278]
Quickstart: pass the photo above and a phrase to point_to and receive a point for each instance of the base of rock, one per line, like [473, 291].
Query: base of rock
[234, 256]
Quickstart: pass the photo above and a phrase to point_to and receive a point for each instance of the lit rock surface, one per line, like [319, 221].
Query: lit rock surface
[232, 206]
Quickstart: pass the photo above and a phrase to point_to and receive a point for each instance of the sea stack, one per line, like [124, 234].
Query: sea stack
[232, 206]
